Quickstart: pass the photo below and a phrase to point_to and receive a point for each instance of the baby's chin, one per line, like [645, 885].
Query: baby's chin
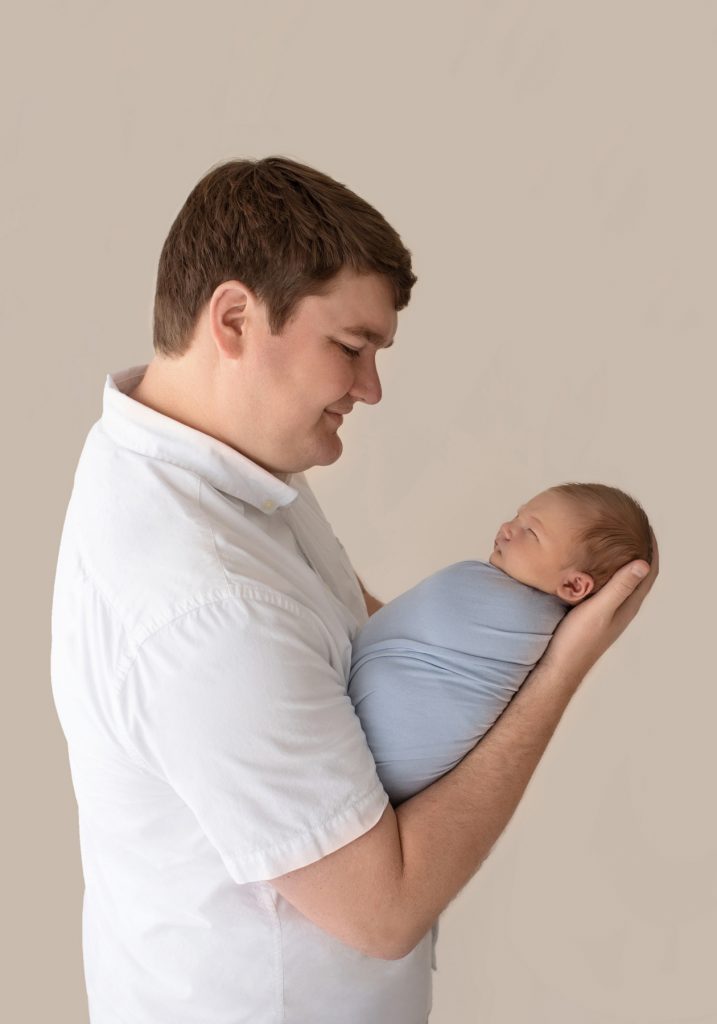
[497, 560]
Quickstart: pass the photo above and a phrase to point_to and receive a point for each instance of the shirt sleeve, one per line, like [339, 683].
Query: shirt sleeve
[240, 706]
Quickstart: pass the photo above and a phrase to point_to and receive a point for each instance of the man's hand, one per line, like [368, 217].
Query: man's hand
[590, 628]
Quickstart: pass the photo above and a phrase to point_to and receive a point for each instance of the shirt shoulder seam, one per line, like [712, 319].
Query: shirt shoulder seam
[92, 581]
[254, 591]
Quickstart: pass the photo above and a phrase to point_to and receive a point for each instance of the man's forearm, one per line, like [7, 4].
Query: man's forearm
[447, 831]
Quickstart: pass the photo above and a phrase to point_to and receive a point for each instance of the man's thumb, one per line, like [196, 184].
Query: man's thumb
[625, 580]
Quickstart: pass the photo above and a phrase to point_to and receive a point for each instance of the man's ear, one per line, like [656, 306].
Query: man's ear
[574, 586]
[231, 307]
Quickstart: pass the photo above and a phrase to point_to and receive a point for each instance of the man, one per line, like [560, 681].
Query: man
[241, 860]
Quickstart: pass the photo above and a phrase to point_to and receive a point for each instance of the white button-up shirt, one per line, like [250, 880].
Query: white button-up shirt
[202, 624]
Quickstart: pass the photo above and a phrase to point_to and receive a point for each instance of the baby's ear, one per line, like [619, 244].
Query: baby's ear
[574, 586]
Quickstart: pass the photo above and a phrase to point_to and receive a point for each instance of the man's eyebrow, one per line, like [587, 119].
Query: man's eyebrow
[368, 335]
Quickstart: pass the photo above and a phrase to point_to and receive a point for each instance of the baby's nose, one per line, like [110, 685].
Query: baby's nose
[505, 531]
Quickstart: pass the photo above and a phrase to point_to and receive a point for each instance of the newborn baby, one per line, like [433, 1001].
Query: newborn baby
[433, 669]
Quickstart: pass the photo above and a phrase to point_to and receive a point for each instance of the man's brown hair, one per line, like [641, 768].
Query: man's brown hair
[613, 530]
[281, 228]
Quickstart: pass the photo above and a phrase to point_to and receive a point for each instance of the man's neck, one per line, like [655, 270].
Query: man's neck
[163, 389]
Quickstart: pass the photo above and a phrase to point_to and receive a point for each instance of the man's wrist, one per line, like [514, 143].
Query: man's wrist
[554, 672]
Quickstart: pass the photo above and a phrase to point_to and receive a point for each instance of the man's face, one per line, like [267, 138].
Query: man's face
[305, 379]
[539, 544]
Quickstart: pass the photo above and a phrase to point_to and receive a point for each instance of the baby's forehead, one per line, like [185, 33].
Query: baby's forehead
[548, 503]
[550, 507]
[553, 499]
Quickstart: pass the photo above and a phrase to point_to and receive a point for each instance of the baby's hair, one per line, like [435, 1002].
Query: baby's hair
[614, 529]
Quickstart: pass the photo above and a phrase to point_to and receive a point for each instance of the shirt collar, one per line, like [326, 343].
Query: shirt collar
[148, 432]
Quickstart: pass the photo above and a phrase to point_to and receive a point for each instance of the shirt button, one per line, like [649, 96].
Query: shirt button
[269, 505]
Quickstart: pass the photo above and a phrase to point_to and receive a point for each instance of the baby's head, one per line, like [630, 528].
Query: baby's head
[570, 539]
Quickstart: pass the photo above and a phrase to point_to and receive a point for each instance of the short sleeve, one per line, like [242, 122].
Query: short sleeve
[239, 706]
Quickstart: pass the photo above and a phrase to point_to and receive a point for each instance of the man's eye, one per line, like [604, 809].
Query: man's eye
[352, 353]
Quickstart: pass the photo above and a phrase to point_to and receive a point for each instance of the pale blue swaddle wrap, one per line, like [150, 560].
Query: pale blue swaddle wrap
[433, 669]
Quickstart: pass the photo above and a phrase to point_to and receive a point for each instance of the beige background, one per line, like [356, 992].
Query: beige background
[552, 166]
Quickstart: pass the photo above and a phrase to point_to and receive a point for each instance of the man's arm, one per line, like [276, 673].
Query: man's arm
[382, 892]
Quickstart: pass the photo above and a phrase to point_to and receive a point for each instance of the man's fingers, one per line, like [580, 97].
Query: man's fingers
[623, 584]
[626, 581]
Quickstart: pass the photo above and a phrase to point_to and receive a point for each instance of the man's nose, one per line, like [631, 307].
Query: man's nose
[367, 385]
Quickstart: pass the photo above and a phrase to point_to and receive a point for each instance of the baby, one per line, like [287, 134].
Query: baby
[433, 669]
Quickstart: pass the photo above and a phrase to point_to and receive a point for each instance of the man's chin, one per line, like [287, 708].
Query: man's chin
[327, 454]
